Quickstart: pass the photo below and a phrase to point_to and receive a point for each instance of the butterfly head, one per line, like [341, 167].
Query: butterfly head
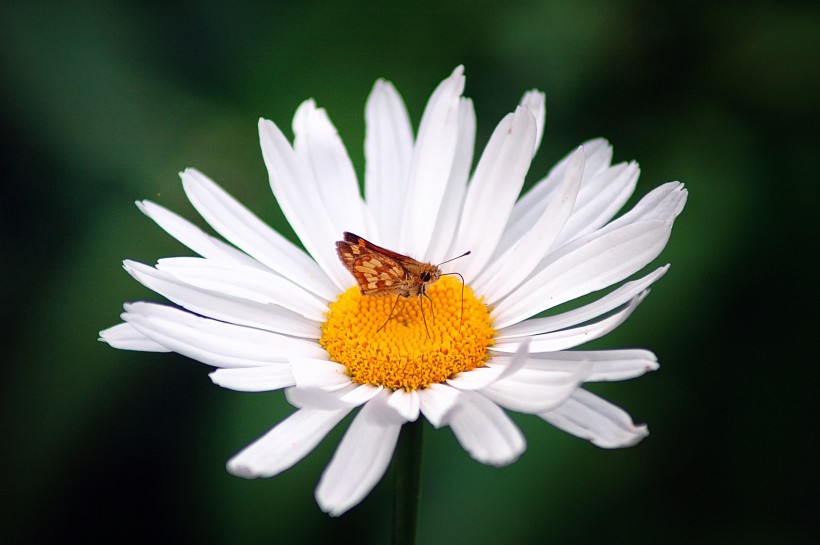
[428, 275]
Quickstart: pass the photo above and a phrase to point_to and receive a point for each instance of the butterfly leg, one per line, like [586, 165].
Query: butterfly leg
[421, 308]
[432, 310]
[391, 313]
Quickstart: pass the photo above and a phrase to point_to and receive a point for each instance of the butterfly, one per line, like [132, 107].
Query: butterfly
[381, 272]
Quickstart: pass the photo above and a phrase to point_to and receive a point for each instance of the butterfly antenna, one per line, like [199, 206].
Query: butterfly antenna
[461, 319]
[454, 258]
[391, 313]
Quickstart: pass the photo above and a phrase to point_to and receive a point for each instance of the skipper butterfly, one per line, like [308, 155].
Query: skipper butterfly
[381, 272]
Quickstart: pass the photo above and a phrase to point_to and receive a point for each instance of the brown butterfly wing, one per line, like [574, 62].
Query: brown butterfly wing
[376, 274]
[401, 258]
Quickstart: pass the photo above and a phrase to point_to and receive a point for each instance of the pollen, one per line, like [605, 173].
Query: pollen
[402, 354]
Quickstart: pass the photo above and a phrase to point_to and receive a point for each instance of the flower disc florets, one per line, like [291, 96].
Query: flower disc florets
[401, 354]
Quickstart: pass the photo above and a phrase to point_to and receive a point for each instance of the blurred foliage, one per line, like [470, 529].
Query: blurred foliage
[104, 101]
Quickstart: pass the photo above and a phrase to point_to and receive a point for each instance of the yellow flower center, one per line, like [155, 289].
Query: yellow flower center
[401, 354]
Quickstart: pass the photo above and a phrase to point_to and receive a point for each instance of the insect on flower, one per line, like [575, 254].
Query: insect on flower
[381, 272]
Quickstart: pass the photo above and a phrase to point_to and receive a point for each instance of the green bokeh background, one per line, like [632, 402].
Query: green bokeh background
[104, 102]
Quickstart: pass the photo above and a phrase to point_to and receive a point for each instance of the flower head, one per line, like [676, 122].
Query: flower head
[269, 315]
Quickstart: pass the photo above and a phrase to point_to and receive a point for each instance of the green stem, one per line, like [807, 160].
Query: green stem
[408, 484]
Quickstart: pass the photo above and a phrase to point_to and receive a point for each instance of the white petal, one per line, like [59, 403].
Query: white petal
[437, 400]
[296, 193]
[453, 199]
[664, 203]
[586, 265]
[485, 432]
[535, 390]
[478, 378]
[223, 307]
[351, 395]
[493, 189]
[599, 259]
[498, 368]
[405, 403]
[531, 206]
[241, 227]
[212, 342]
[361, 459]
[319, 399]
[593, 310]
[125, 337]
[245, 283]
[589, 417]
[319, 148]
[535, 102]
[431, 165]
[521, 258]
[319, 373]
[607, 365]
[255, 379]
[570, 338]
[388, 148]
[362, 394]
[600, 199]
[193, 237]
[287, 443]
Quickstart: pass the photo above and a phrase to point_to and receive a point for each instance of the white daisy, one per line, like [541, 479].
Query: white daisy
[269, 316]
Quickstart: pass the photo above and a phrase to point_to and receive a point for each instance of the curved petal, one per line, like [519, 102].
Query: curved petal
[318, 146]
[125, 337]
[212, 342]
[296, 193]
[223, 307]
[351, 395]
[478, 378]
[319, 373]
[361, 459]
[319, 399]
[431, 165]
[241, 227]
[485, 431]
[362, 393]
[195, 238]
[536, 390]
[589, 417]
[497, 369]
[284, 445]
[570, 338]
[520, 259]
[388, 149]
[609, 302]
[437, 400]
[535, 101]
[584, 266]
[599, 259]
[599, 200]
[532, 204]
[243, 282]
[493, 189]
[607, 365]
[406, 404]
[453, 199]
[664, 203]
[255, 379]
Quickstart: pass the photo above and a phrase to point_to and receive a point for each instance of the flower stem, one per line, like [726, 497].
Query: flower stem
[408, 484]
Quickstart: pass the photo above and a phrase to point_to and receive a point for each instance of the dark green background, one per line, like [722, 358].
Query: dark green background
[104, 102]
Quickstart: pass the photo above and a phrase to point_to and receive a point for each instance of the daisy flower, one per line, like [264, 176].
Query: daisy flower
[269, 315]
